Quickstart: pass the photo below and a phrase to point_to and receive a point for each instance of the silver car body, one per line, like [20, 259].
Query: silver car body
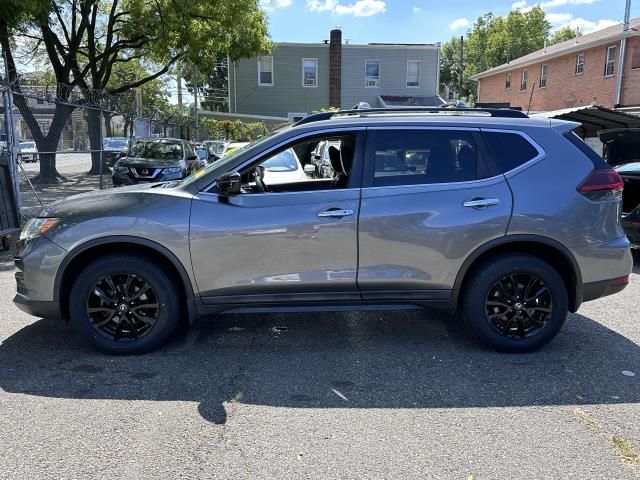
[399, 244]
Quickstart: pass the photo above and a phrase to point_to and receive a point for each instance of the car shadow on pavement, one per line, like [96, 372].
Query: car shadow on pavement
[348, 360]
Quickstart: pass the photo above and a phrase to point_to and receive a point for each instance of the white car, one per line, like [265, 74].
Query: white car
[28, 152]
[285, 167]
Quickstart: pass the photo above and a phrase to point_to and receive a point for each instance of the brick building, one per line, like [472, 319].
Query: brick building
[601, 68]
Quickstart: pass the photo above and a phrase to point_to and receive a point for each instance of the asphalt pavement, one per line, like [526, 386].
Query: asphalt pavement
[350, 395]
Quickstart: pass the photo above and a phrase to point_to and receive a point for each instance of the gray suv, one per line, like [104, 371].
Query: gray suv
[510, 221]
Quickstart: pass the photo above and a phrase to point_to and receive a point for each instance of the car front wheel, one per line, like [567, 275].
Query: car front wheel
[124, 304]
[515, 303]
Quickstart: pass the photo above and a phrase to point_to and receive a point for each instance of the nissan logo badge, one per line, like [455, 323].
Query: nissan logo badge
[145, 172]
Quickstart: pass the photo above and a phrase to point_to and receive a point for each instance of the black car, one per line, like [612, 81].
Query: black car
[622, 151]
[156, 160]
[113, 148]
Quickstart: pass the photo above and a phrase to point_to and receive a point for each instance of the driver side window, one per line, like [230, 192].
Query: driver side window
[320, 163]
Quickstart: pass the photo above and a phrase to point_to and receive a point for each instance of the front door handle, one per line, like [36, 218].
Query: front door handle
[479, 203]
[335, 213]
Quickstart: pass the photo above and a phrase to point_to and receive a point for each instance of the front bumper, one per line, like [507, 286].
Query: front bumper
[37, 263]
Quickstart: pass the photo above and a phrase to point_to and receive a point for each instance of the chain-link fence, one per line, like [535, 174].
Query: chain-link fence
[66, 142]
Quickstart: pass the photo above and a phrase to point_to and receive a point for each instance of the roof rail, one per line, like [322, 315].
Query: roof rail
[493, 112]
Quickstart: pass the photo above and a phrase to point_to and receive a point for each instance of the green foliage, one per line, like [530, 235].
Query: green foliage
[235, 131]
[493, 41]
[562, 35]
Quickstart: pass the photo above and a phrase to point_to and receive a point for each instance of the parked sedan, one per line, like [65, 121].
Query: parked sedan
[156, 160]
[113, 148]
[28, 152]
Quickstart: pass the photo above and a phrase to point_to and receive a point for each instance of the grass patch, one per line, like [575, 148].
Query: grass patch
[625, 450]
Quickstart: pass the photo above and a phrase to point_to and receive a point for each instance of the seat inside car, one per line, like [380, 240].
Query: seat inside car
[341, 161]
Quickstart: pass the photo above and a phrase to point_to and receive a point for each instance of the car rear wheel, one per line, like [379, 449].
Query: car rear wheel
[124, 304]
[515, 303]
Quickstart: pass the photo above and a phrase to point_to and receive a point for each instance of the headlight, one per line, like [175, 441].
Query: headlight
[173, 170]
[121, 168]
[37, 226]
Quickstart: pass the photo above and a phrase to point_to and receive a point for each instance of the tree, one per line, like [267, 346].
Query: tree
[84, 40]
[493, 41]
[562, 35]
[213, 87]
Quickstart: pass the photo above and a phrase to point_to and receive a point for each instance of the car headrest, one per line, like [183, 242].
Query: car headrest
[336, 160]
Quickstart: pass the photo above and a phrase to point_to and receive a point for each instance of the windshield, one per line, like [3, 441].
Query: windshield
[202, 153]
[115, 144]
[282, 162]
[157, 150]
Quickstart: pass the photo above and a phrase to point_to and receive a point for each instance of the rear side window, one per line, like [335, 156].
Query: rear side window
[510, 149]
[596, 159]
[417, 157]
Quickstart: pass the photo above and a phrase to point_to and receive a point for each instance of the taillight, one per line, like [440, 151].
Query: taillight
[602, 184]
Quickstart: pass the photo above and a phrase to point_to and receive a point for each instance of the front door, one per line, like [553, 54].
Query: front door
[430, 197]
[293, 238]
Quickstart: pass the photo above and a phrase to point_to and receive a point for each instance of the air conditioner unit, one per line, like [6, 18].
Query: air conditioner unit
[308, 82]
[372, 83]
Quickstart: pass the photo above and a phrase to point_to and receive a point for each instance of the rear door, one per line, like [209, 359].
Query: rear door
[430, 197]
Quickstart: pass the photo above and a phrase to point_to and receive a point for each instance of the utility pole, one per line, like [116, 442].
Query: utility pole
[195, 101]
[179, 83]
[622, 55]
[461, 66]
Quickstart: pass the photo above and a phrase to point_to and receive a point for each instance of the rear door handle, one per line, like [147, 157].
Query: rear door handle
[479, 203]
[335, 213]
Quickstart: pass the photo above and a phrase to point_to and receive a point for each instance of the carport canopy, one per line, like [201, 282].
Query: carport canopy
[593, 119]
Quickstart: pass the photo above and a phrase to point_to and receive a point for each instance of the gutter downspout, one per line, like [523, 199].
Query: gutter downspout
[229, 83]
[623, 48]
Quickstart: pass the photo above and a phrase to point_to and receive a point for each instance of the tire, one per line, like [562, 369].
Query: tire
[500, 323]
[141, 330]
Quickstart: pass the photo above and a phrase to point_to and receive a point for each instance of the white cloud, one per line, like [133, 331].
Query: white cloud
[361, 8]
[416, 9]
[559, 18]
[271, 5]
[588, 26]
[524, 6]
[459, 23]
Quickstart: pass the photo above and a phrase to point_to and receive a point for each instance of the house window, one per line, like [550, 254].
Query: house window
[372, 73]
[635, 58]
[580, 64]
[543, 76]
[413, 73]
[523, 80]
[507, 83]
[610, 66]
[309, 72]
[265, 71]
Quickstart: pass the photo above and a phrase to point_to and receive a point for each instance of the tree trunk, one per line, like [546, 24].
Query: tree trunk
[95, 142]
[108, 131]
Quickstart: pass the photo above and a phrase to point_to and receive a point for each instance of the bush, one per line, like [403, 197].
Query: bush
[235, 131]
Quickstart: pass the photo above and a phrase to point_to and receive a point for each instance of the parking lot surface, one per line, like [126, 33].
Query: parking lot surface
[340, 395]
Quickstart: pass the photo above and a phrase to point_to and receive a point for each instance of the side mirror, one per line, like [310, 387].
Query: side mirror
[310, 169]
[193, 156]
[229, 183]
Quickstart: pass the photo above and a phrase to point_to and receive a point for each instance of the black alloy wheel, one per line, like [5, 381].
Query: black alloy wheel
[519, 305]
[123, 307]
[126, 304]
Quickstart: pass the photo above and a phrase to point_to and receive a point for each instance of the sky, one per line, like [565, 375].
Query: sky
[422, 21]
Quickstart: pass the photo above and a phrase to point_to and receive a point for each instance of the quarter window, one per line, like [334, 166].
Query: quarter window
[543, 76]
[507, 83]
[310, 72]
[510, 150]
[580, 64]
[523, 80]
[372, 73]
[413, 73]
[610, 66]
[421, 157]
[265, 71]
